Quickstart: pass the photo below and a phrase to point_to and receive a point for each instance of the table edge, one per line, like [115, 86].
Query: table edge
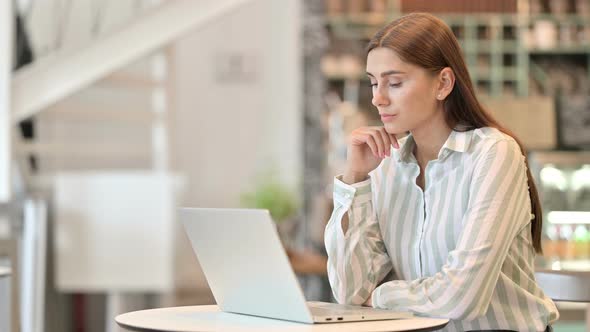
[146, 329]
[133, 328]
[142, 329]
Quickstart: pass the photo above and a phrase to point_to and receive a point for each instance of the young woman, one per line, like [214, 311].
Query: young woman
[446, 221]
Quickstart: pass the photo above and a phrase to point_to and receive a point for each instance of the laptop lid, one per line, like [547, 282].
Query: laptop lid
[244, 262]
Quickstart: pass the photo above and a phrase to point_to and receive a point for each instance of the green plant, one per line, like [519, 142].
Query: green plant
[273, 196]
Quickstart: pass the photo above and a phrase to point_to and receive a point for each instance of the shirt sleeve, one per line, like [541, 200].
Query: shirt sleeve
[357, 260]
[498, 209]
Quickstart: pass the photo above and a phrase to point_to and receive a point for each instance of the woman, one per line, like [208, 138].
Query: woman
[451, 211]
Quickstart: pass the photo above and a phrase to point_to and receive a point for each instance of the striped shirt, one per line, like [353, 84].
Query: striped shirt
[460, 249]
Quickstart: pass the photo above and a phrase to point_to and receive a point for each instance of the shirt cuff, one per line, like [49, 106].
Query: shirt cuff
[351, 194]
[375, 297]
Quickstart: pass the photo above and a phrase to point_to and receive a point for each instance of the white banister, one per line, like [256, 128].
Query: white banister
[6, 58]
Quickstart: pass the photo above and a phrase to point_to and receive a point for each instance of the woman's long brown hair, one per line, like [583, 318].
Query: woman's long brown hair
[426, 41]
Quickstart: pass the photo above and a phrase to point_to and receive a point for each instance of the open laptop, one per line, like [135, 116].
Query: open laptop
[249, 273]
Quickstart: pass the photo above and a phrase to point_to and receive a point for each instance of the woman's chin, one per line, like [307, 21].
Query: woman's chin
[391, 128]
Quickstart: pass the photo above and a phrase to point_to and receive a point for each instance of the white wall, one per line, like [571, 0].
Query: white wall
[230, 129]
[224, 130]
[252, 121]
[227, 131]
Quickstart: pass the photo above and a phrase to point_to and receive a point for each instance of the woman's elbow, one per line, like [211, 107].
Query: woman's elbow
[354, 299]
[345, 294]
[348, 296]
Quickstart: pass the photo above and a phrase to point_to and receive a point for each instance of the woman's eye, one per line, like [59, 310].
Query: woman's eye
[395, 85]
[372, 85]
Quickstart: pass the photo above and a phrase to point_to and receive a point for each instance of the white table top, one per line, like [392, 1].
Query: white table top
[5, 272]
[209, 318]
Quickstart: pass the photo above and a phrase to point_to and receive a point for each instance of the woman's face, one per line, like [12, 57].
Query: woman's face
[404, 94]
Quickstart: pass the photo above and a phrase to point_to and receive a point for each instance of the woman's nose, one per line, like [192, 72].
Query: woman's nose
[379, 98]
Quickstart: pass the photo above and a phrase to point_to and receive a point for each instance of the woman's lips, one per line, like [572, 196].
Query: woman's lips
[387, 117]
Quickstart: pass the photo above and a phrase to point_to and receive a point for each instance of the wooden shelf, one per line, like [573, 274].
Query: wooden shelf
[508, 60]
[561, 50]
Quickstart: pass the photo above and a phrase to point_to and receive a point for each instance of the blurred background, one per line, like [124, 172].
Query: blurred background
[115, 113]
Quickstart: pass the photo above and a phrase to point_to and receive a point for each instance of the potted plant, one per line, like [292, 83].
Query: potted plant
[279, 200]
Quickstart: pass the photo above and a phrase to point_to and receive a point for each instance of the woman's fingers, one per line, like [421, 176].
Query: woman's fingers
[386, 142]
[394, 141]
[379, 140]
[372, 144]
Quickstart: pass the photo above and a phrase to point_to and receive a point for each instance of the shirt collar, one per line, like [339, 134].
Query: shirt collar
[458, 141]
[406, 147]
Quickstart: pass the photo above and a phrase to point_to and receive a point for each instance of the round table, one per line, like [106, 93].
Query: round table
[210, 318]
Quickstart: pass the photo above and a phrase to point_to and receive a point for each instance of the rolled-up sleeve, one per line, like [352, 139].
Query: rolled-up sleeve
[498, 209]
[357, 260]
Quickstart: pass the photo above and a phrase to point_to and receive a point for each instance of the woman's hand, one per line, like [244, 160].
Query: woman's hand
[367, 146]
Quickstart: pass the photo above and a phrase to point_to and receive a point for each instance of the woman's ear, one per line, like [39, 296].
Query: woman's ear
[446, 83]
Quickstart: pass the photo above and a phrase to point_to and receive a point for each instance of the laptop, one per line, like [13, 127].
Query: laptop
[249, 273]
